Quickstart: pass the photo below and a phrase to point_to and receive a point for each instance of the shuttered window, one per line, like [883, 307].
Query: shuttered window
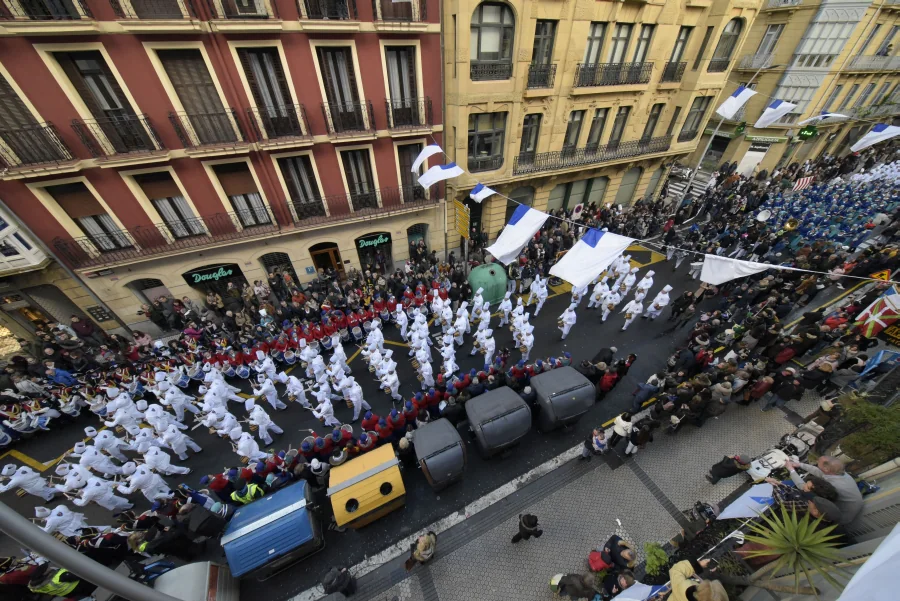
[336, 65]
[240, 188]
[265, 76]
[401, 71]
[406, 154]
[174, 209]
[197, 92]
[13, 112]
[300, 179]
[358, 171]
[95, 83]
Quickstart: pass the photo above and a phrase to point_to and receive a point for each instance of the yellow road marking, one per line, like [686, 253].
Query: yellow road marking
[396, 343]
[353, 356]
[29, 461]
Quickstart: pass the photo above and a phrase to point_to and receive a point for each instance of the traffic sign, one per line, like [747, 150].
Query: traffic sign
[462, 218]
[884, 275]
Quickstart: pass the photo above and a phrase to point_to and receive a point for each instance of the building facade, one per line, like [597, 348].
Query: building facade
[839, 57]
[559, 103]
[171, 146]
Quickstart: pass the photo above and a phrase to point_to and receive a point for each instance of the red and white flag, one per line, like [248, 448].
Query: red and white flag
[803, 183]
[883, 312]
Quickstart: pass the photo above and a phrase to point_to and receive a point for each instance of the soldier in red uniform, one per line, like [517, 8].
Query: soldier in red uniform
[378, 305]
[370, 420]
[366, 443]
[411, 412]
[385, 432]
[316, 332]
[340, 438]
[339, 319]
[397, 421]
[352, 320]
[328, 327]
[323, 447]
[392, 304]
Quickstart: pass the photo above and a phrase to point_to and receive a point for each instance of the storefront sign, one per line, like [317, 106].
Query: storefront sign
[373, 240]
[213, 273]
[891, 334]
[310, 270]
[767, 139]
[720, 134]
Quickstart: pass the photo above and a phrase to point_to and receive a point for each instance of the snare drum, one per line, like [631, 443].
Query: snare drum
[326, 343]
[280, 357]
[357, 333]
[310, 439]
[245, 460]
[289, 357]
[243, 372]
[345, 335]
[367, 326]
[314, 345]
[195, 372]
[385, 315]
[349, 404]
[254, 427]
[183, 381]
[229, 371]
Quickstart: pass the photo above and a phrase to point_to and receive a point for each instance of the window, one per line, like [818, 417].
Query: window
[28, 140]
[643, 44]
[869, 39]
[770, 38]
[573, 131]
[886, 48]
[846, 102]
[300, 179]
[727, 43]
[80, 205]
[531, 131]
[492, 32]
[797, 89]
[883, 94]
[652, 121]
[7, 249]
[239, 186]
[864, 97]
[703, 45]
[674, 120]
[22, 241]
[681, 41]
[822, 43]
[596, 33]
[194, 86]
[618, 127]
[486, 133]
[694, 118]
[409, 185]
[361, 183]
[829, 104]
[269, 88]
[598, 124]
[621, 35]
[544, 35]
[341, 94]
[165, 195]
[402, 86]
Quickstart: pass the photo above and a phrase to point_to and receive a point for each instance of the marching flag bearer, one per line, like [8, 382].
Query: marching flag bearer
[659, 303]
[567, 320]
[631, 311]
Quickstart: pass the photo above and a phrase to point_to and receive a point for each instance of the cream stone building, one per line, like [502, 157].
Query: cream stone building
[558, 103]
[839, 57]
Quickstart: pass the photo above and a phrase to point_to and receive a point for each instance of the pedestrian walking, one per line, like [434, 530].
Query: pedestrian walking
[422, 551]
[528, 527]
[594, 444]
[731, 465]
[621, 429]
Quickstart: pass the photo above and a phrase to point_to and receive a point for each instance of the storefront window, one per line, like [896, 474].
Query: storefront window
[375, 252]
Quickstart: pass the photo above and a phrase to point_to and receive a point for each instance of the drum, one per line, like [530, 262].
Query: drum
[326, 343]
[345, 335]
[243, 372]
[347, 428]
[289, 357]
[280, 357]
[314, 345]
[254, 427]
[245, 460]
[367, 326]
[415, 364]
[385, 315]
[212, 430]
[183, 381]
[229, 371]
[195, 372]
[274, 353]
[349, 404]
[310, 439]
[357, 333]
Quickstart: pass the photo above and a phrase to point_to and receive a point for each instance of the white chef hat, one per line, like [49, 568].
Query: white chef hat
[159, 376]
[163, 386]
[260, 355]
[203, 390]
[62, 469]
[129, 468]
[261, 378]
[79, 448]
[650, 273]
[90, 432]
[41, 512]
[634, 270]
[8, 470]
[666, 288]
[112, 392]
[141, 405]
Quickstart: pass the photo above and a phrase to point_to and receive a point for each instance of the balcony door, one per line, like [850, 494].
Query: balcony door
[403, 102]
[195, 88]
[621, 35]
[618, 128]
[544, 36]
[28, 141]
[239, 186]
[680, 44]
[360, 182]
[50, 10]
[302, 185]
[410, 189]
[339, 77]
[594, 43]
[165, 195]
[268, 85]
[80, 205]
[157, 9]
[642, 48]
[598, 124]
[770, 39]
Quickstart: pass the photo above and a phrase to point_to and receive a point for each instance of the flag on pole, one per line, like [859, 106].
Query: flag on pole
[639, 592]
[439, 173]
[480, 192]
[803, 183]
[750, 504]
[733, 103]
[589, 257]
[879, 133]
[523, 224]
[718, 270]
[428, 151]
[824, 118]
[883, 312]
[775, 111]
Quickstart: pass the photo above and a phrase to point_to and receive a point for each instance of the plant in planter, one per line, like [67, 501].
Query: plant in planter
[873, 438]
[657, 559]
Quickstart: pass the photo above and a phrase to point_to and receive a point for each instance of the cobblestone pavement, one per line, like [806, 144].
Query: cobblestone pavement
[641, 499]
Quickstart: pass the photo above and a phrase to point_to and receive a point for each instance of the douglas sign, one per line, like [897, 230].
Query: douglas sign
[373, 241]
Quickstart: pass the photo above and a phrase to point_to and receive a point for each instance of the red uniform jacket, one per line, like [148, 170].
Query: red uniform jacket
[369, 424]
[397, 423]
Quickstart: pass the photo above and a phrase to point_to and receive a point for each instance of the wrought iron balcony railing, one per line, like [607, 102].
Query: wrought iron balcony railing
[413, 11]
[673, 72]
[718, 65]
[874, 63]
[541, 76]
[159, 238]
[218, 128]
[588, 75]
[242, 9]
[551, 161]
[481, 71]
[886, 109]
[687, 136]
[279, 123]
[152, 9]
[46, 10]
[117, 136]
[485, 163]
[412, 113]
[349, 118]
[341, 207]
[32, 145]
[756, 61]
[340, 10]
[783, 3]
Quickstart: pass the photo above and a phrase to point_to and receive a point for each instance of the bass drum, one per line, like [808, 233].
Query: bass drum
[289, 357]
[243, 372]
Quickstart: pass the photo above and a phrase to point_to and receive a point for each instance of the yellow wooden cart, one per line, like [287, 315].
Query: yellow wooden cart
[366, 488]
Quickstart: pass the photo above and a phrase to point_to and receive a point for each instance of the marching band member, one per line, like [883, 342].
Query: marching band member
[28, 480]
[160, 419]
[631, 311]
[324, 412]
[628, 281]
[100, 491]
[476, 344]
[264, 364]
[158, 460]
[247, 447]
[74, 477]
[463, 314]
[460, 326]
[601, 289]
[402, 321]
[505, 308]
[659, 303]
[533, 289]
[228, 425]
[567, 320]
[63, 520]
[355, 393]
[645, 284]
[179, 402]
[485, 322]
[93, 459]
[144, 479]
[449, 354]
[224, 393]
[107, 441]
[295, 389]
[339, 356]
[577, 295]
[519, 309]
[426, 373]
[527, 341]
[267, 389]
[488, 346]
[391, 382]
[259, 417]
[180, 443]
[307, 354]
[126, 416]
[375, 335]
[610, 303]
[477, 304]
[146, 438]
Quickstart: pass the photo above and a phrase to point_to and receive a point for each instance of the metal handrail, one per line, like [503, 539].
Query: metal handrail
[411, 113]
[348, 117]
[673, 71]
[488, 163]
[588, 75]
[563, 159]
[541, 76]
[494, 71]
[153, 9]
[118, 135]
[278, 122]
[217, 128]
[242, 9]
[35, 144]
[718, 65]
[376, 203]
[390, 11]
[46, 10]
[757, 61]
[339, 10]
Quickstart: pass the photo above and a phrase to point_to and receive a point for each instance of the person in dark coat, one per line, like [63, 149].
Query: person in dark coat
[781, 394]
[339, 580]
[605, 355]
[528, 527]
[731, 465]
[577, 586]
[618, 553]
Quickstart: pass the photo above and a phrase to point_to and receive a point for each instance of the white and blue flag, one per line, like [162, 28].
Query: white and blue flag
[589, 257]
[439, 173]
[824, 118]
[733, 103]
[523, 224]
[879, 133]
[428, 151]
[750, 504]
[480, 192]
[639, 592]
[775, 111]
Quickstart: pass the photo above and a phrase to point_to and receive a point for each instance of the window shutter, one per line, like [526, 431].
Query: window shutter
[411, 70]
[192, 81]
[235, 179]
[13, 112]
[76, 200]
[245, 56]
[158, 185]
[67, 63]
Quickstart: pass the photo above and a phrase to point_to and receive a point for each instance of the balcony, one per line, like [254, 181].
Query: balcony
[280, 125]
[208, 132]
[160, 238]
[588, 75]
[687, 136]
[541, 76]
[887, 109]
[481, 71]
[409, 114]
[773, 4]
[874, 63]
[673, 72]
[718, 65]
[332, 11]
[377, 203]
[552, 161]
[247, 16]
[387, 13]
[47, 17]
[119, 138]
[739, 116]
[349, 118]
[753, 62]
[485, 163]
[155, 15]
[36, 146]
